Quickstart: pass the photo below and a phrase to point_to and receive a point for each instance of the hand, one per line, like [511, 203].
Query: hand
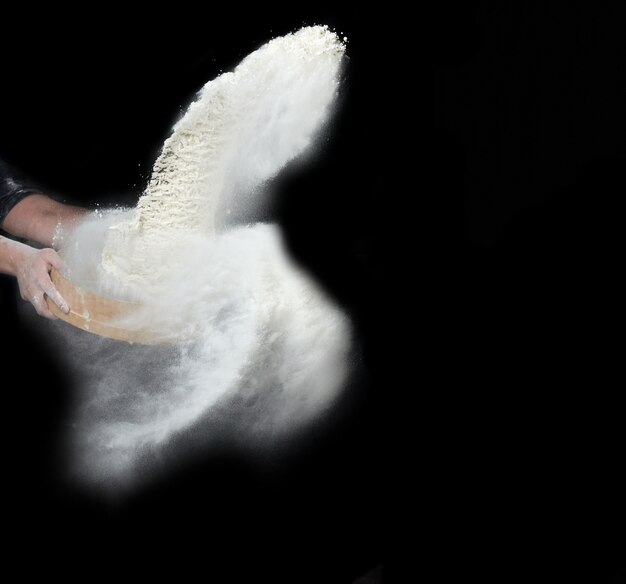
[33, 277]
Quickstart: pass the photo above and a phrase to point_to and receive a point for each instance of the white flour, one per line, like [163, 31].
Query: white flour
[254, 327]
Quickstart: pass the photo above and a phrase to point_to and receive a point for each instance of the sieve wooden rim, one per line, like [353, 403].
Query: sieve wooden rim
[100, 315]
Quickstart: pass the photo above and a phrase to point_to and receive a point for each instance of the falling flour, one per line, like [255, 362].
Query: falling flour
[250, 323]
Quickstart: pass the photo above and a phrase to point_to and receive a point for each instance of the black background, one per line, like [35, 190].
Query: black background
[465, 210]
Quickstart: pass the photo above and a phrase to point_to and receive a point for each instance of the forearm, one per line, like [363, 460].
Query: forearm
[41, 219]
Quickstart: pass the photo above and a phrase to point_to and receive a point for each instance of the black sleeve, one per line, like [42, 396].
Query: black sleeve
[12, 190]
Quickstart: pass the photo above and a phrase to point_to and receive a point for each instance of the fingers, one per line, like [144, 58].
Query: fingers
[39, 302]
[52, 258]
[54, 295]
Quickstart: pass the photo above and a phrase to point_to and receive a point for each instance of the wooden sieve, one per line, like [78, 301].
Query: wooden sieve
[100, 315]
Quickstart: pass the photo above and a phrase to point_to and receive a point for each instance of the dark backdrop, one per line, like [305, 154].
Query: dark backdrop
[86, 105]
[465, 211]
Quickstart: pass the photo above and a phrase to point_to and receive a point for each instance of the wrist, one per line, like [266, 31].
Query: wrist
[12, 255]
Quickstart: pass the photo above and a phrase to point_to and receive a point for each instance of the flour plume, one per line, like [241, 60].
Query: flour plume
[254, 329]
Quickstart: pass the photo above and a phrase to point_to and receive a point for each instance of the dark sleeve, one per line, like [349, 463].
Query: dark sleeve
[12, 190]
